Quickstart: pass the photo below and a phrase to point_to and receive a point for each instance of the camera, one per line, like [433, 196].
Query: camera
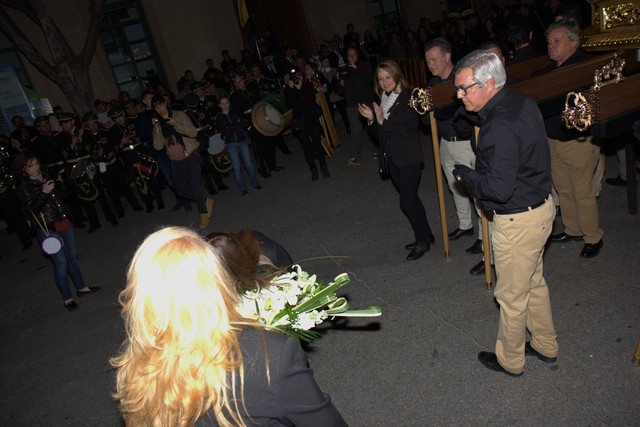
[155, 121]
[294, 76]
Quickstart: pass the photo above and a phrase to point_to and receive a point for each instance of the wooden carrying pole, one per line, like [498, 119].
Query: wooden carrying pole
[486, 242]
[328, 125]
[439, 182]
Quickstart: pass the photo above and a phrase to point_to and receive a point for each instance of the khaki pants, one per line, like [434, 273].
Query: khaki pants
[521, 290]
[452, 153]
[572, 167]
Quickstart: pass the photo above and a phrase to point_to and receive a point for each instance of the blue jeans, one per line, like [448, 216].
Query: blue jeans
[239, 152]
[65, 262]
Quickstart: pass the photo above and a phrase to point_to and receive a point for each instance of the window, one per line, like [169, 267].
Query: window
[385, 12]
[9, 55]
[130, 49]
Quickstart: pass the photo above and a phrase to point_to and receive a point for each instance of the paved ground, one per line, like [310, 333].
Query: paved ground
[414, 366]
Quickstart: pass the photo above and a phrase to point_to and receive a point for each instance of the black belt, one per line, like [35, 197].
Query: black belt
[453, 138]
[520, 210]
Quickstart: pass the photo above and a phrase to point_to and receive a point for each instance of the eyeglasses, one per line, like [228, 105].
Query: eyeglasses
[463, 89]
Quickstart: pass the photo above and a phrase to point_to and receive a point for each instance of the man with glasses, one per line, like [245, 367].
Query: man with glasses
[512, 179]
[454, 148]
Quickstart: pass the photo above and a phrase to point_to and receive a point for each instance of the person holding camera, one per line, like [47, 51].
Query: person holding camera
[301, 98]
[174, 131]
[43, 206]
[355, 78]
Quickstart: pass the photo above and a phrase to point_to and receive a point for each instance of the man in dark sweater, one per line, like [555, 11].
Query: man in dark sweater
[357, 84]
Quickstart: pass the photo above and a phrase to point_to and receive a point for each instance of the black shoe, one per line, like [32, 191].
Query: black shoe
[325, 172]
[457, 233]
[286, 151]
[476, 248]
[149, 208]
[245, 193]
[564, 237]
[410, 246]
[115, 223]
[93, 229]
[71, 305]
[617, 181]
[265, 175]
[314, 175]
[490, 361]
[223, 188]
[478, 269]
[176, 207]
[530, 351]
[590, 250]
[212, 192]
[418, 250]
[137, 208]
[258, 187]
[160, 204]
[278, 168]
[92, 290]
[121, 213]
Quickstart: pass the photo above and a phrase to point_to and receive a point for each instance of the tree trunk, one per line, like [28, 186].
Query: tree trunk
[71, 71]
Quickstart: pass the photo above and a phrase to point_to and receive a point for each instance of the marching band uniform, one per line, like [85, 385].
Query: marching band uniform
[124, 138]
[69, 142]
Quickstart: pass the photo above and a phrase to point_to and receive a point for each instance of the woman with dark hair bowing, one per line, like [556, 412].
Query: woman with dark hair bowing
[396, 126]
[190, 357]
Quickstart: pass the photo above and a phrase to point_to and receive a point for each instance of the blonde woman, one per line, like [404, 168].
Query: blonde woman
[191, 358]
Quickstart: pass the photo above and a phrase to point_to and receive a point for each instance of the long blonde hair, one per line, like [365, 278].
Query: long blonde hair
[182, 355]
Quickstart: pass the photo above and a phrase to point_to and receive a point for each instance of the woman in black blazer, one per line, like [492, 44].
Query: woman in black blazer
[396, 126]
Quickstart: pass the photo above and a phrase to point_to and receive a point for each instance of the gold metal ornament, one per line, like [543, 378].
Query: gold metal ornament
[421, 100]
[582, 109]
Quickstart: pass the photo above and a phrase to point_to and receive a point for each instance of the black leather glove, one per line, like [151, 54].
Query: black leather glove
[461, 172]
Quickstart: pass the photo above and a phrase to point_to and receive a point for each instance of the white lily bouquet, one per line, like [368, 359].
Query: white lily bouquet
[295, 302]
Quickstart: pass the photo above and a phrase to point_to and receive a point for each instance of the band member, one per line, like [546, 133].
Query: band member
[140, 167]
[69, 142]
[90, 140]
[202, 109]
[242, 100]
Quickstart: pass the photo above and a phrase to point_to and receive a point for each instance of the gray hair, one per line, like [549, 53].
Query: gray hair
[484, 65]
[570, 27]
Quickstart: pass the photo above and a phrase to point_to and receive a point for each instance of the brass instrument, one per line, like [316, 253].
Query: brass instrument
[585, 110]
[421, 100]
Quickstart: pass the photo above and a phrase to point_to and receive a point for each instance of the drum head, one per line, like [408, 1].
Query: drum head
[51, 245]
[78, 169]
[216, 144]
[267, 119]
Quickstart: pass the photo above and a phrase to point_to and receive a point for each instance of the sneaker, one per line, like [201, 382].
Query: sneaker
[258, 187]
[352, 162]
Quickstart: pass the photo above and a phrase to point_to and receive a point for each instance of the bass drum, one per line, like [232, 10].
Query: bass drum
[218, 154]
[271, 115]
[81, 175]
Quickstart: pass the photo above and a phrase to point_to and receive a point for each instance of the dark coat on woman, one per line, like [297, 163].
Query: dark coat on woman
[33, 199]
[398, 135]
